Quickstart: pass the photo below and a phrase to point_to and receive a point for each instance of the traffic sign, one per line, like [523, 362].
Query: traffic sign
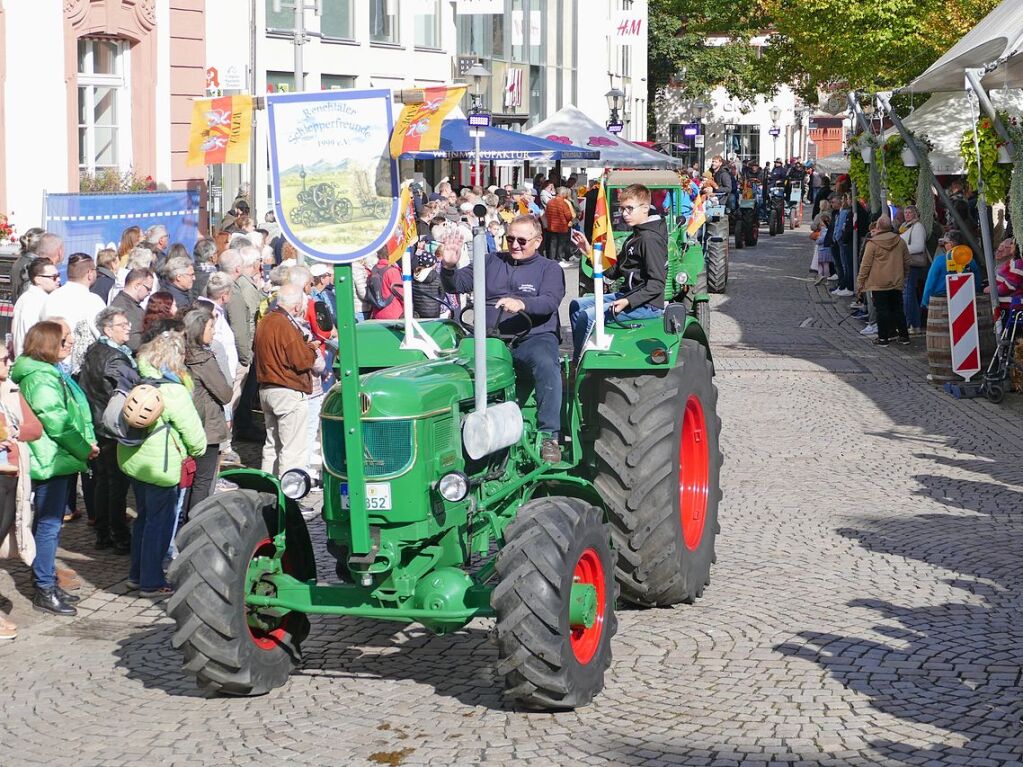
[698, 141]
[775, 131]
[962, 324]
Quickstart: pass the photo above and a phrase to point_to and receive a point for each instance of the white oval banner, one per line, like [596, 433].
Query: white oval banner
[335, 185]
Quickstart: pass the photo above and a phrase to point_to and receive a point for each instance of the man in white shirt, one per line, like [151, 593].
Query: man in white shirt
[43, 280]
[77, 305]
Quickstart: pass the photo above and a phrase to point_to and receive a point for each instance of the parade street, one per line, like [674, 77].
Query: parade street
[864, 608]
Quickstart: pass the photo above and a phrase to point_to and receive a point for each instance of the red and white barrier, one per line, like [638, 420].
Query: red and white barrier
[962, 324]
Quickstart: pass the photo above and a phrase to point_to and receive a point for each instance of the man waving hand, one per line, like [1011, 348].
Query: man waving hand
[522, 281]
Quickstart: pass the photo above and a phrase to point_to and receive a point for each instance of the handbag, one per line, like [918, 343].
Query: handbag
[187, 472]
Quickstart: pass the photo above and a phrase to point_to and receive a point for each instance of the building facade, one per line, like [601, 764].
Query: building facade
[114, 94]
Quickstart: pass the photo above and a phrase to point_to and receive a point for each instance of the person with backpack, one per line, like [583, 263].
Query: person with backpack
[155, 465]
[109, 366]
[383, 289]
[68, 442]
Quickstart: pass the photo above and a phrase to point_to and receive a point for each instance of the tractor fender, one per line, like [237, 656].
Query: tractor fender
[695, 332]
[288, 516]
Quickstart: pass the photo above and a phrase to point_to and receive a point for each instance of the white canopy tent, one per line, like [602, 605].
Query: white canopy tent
[943, 119]
[998, 36]
[571, 125]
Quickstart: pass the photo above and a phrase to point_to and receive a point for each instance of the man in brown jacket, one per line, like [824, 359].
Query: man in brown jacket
[284, 360]
[883, 272]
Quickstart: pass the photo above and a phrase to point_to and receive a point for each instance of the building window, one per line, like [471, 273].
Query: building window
[336, 21]
[280, 82]
[473, 35]
[283, 21]
[383, 21]
[742, 141]
[427, 25]
[104, 106]
[336, 82]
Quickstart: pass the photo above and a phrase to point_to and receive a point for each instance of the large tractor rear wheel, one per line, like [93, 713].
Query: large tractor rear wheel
[751, 226]
[716, 255]
[549, 657]
[658, 469]
[232, 649]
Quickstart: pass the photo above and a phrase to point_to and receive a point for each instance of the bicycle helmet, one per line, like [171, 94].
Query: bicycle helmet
[142, 407]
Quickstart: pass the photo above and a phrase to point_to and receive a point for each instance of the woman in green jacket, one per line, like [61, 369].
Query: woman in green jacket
[155, 466]
[68, 442]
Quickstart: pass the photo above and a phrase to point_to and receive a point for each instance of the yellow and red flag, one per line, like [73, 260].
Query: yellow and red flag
[602, 231]
[698, 217]
[418, 125]
[221, 130]
[405, 232]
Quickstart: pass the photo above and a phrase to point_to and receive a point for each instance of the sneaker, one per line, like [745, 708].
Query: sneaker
[159, 594]
[870, 330]
[859, 315]
[8, 630]
[230, 458]
[916, 331]
[833, 278]
[904, 341]
[881, 342]
[844, 293]
[856, 305]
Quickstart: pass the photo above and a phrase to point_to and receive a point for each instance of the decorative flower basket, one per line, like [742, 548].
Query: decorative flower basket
[908, 158]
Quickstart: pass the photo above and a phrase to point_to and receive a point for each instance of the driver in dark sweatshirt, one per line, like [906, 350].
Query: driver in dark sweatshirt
[642, 262]
[523, 281]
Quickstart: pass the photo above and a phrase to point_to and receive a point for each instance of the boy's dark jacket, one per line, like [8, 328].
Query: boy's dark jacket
[643, 262]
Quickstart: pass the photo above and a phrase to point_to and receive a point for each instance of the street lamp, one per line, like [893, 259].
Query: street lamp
[615, 97]
[477, 72]
[478, 117]
[775, 113]
[698, 109]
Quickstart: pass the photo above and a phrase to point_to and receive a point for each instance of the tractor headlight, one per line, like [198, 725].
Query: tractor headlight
[682, 278]
[453, 486]
[296, 484]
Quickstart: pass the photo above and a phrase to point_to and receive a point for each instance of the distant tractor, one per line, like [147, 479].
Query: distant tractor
[438, 508]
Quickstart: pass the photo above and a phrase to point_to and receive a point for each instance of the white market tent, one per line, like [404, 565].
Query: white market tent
[571, 125]
[943, 119]
[999, 35]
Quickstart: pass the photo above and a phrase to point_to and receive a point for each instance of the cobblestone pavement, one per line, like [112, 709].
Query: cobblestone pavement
[865, 608]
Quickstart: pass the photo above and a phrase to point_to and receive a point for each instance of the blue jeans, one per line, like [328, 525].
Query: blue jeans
[50, 502]
[538, 354]
[151, 535]
[846, 254]
[582, 315]
[910, 303]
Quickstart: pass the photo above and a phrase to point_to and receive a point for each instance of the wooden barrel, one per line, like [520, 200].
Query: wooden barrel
[939, 348]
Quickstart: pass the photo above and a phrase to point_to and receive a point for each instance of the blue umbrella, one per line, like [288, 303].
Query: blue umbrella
[498, 144]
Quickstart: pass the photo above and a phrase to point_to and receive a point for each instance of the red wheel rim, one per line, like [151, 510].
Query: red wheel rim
[693, 473]
[585, 641]
[267, 640]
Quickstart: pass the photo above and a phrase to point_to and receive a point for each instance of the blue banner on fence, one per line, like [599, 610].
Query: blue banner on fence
[90, 222]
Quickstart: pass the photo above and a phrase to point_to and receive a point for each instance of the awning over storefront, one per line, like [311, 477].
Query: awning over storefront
[498, 144]
[572, 125]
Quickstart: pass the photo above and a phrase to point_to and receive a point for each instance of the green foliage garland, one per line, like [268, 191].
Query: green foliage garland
[996, 176]
[902, 180]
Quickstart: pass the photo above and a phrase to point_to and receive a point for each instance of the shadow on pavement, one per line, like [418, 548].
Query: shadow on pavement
[459, 665]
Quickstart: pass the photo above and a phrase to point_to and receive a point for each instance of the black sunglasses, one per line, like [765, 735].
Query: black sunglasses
[522, 241]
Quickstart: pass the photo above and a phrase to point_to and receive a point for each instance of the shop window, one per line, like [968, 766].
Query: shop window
[427, 25]
[742, 141]
[280, 82]
[383, 21]
[336, 82]
[104, 106]
[336, 20]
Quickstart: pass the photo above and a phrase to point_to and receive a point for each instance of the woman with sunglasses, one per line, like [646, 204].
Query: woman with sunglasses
[64, 449]
[43, 279]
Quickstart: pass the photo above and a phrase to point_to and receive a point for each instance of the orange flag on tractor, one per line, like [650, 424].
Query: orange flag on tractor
[418, 125]
[405, 232]
[221, 130]
[602, 231]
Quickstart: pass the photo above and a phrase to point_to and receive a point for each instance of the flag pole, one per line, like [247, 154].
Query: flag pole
[406, 294]
[600, 340]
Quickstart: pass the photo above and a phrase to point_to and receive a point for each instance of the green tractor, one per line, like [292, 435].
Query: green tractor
[447, 512]
[687, 265]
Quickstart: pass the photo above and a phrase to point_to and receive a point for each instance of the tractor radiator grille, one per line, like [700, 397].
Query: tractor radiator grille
[388, 447]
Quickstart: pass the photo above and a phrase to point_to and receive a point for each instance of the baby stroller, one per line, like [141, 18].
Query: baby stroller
[1003, 361]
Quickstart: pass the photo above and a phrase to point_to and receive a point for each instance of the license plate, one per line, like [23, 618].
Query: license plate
[378, 496]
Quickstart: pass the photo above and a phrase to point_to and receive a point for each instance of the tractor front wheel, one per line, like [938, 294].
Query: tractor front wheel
[230, 648]
[658, 469]
[555, 604]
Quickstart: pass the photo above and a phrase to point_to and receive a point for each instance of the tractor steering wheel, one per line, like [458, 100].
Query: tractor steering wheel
[494, 332]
